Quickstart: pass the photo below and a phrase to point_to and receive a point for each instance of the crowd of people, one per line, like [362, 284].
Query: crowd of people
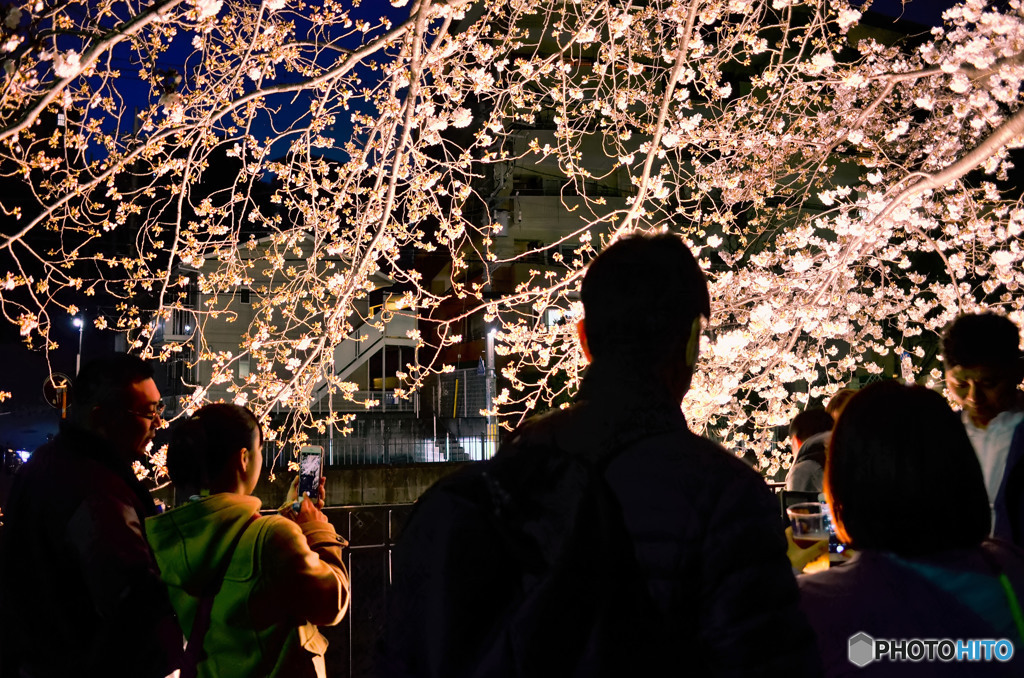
[530, 564]
[96, 581]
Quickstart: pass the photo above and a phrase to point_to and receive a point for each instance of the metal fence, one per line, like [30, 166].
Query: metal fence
[371, 532]
[441, 423]
[385, 440]
[461, 394]
[374, 401]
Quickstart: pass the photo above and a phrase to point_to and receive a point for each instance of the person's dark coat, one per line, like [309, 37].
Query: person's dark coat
[79, 589]
[706, 534]
[1009, 504]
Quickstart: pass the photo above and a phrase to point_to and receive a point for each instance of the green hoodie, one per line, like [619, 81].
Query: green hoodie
[279, 580]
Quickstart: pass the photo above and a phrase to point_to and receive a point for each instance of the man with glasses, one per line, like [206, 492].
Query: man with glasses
[79, 589]
[984, 368]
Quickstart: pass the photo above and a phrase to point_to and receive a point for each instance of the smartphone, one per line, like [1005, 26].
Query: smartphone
[311, 459]
[834, 545]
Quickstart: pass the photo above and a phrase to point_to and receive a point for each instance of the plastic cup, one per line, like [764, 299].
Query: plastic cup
[810, 526]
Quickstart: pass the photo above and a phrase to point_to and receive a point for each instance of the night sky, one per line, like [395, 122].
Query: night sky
[926, 12]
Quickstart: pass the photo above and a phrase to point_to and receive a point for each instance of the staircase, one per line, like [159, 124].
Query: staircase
[367, 340]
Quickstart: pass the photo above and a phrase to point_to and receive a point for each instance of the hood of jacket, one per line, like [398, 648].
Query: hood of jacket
[194, 543]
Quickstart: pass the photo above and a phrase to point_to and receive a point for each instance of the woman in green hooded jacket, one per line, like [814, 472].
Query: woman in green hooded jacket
[249, 591]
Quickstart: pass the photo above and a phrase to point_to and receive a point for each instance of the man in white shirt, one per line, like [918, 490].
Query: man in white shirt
[984, 368]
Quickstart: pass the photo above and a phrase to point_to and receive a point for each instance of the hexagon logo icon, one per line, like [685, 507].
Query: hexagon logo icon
[862, 649]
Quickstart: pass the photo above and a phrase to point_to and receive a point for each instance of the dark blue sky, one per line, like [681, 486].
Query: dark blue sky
[926, 12]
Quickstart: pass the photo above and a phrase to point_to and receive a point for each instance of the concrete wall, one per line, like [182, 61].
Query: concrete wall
[366, 485]
[362, 486]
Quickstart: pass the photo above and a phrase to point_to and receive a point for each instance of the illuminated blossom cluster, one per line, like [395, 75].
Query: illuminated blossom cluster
[846, 196]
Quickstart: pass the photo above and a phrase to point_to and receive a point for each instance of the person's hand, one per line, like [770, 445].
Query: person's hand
[308, 512]
[799, 558]
[294, 505]
[292, 495]
[322, 498]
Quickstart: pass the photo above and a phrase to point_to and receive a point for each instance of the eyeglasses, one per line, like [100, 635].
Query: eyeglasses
[155, 413]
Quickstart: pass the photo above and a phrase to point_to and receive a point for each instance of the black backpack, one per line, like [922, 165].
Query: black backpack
[522, 566]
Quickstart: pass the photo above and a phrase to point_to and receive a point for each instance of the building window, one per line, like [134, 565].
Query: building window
[554, 317]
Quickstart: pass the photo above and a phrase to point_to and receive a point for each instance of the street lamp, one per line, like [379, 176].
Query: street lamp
[492, 430]
[80, 324]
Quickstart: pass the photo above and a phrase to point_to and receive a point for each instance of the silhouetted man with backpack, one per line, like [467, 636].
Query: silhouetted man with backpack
[605, 539]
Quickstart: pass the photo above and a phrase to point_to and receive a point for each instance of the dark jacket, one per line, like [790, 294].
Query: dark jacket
[705, 531]
[1009, 504]
[887, 597]
[79, 588]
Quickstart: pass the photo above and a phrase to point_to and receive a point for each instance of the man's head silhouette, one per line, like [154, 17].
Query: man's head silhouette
[116, 398]
[643, 300]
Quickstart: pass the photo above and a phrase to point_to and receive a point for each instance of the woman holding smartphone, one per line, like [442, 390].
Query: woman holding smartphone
[907, 494]
[248, 590]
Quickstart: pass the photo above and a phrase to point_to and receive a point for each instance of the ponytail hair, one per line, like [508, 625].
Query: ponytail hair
[201, 446]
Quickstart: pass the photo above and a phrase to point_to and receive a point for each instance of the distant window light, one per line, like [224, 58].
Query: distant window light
[180, 322]
[24, 454]
[553, 317]
[243, 367]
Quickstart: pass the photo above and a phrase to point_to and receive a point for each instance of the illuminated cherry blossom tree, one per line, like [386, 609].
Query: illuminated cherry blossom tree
[846, 194]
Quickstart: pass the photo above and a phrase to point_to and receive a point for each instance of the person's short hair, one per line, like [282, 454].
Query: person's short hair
[810, 422]
[902, 475]
[980, 339]
[201, 445]
[837, 402]
[106, 380]
[640, 296]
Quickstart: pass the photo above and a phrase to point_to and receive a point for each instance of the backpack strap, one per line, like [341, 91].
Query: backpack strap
[194, 654]
[564, 540]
